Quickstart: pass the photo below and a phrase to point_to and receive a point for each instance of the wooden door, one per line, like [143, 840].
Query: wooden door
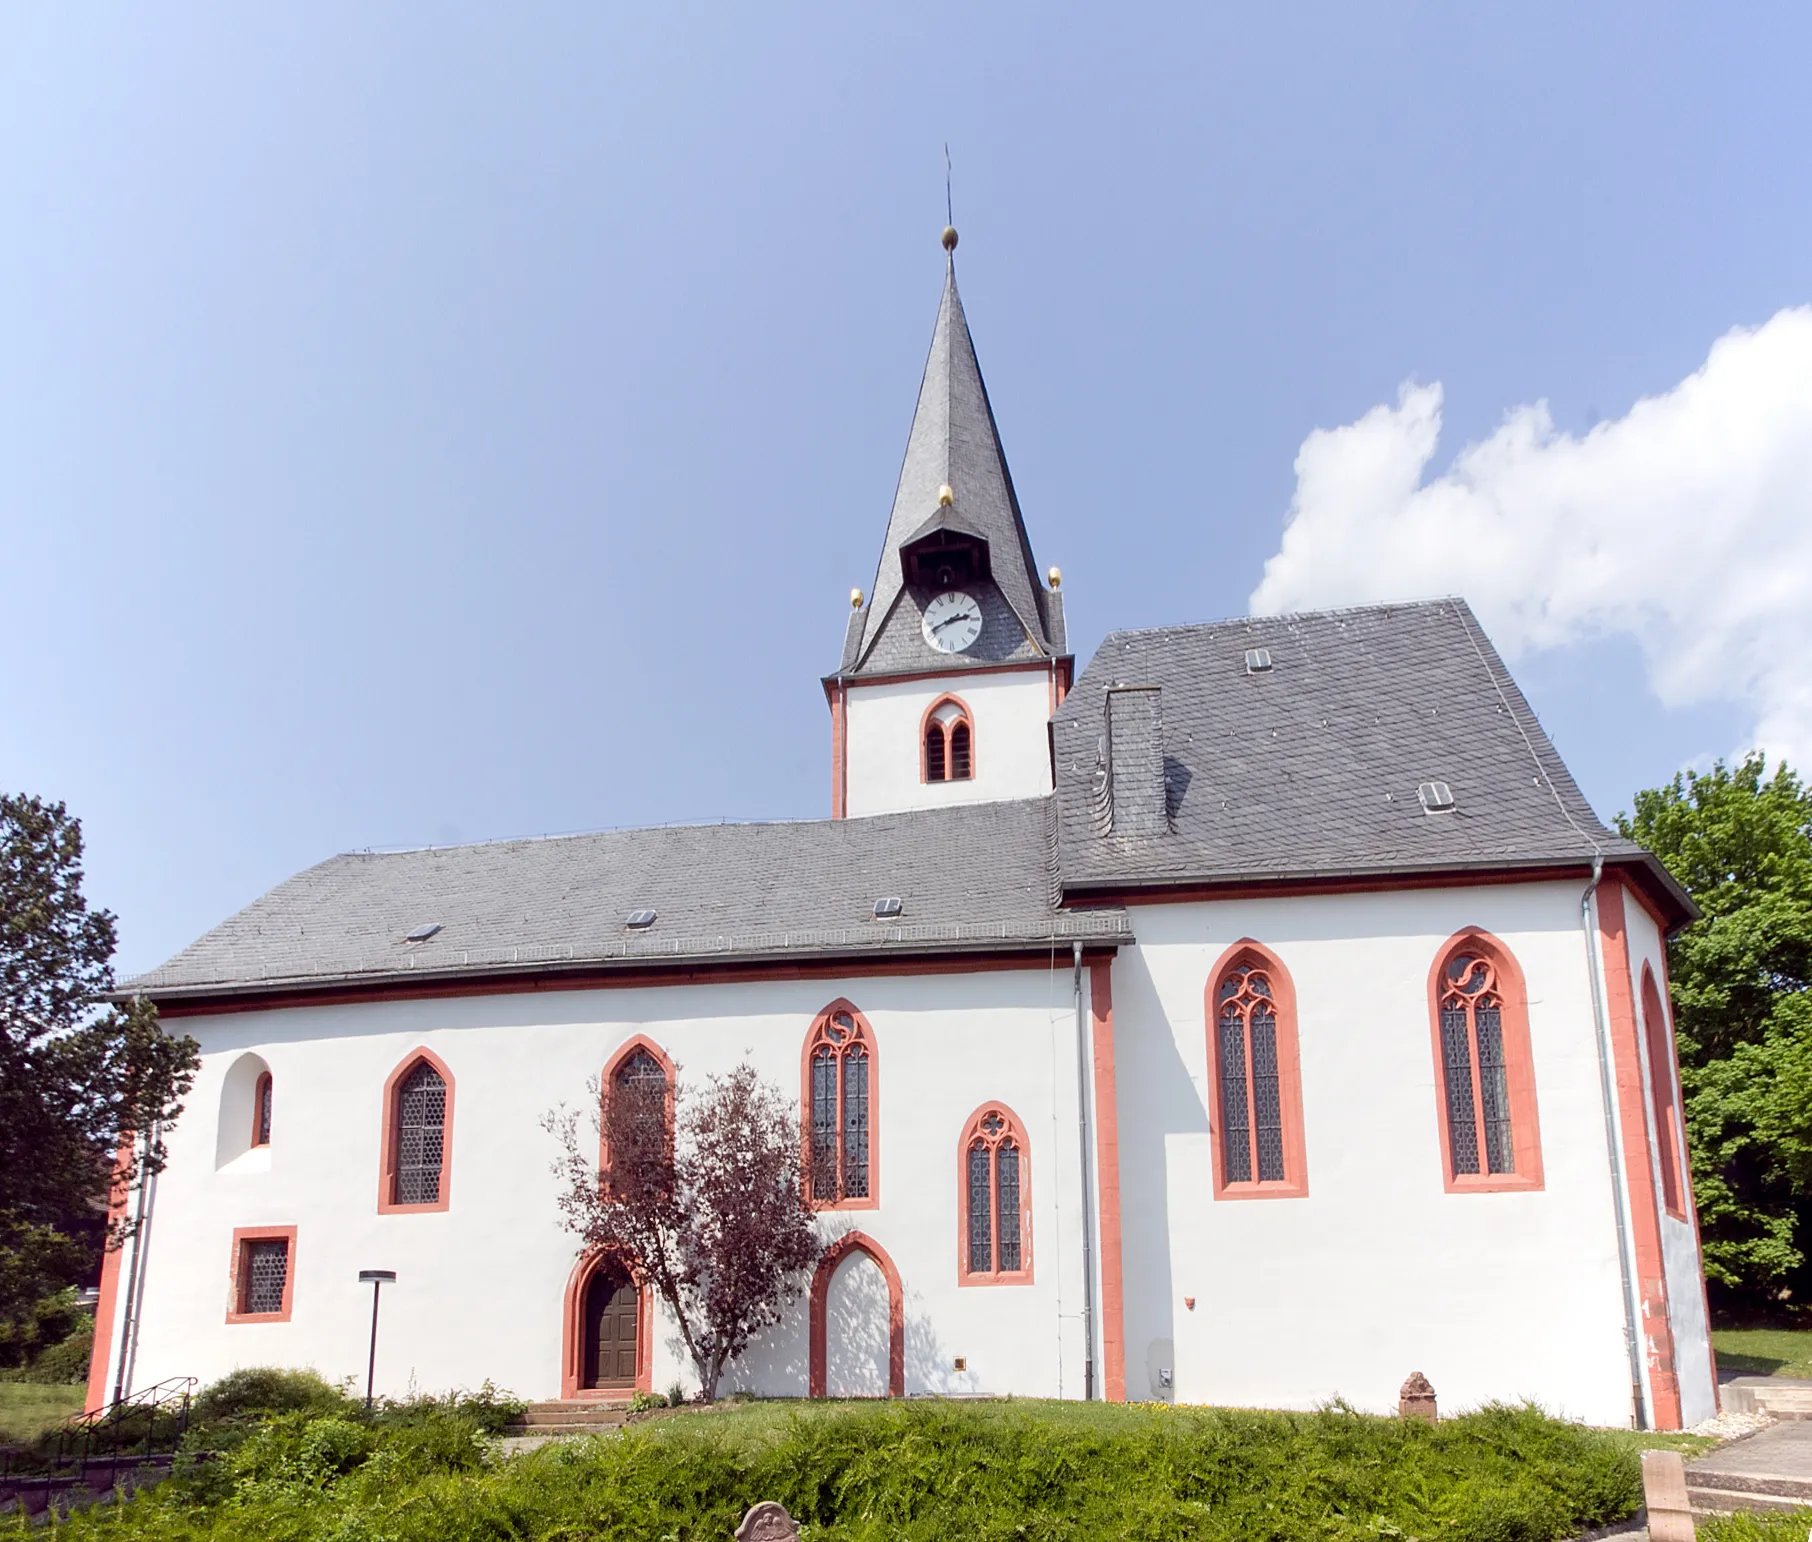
[611, 1310]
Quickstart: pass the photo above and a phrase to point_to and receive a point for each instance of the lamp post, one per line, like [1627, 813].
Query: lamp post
[379, 1278]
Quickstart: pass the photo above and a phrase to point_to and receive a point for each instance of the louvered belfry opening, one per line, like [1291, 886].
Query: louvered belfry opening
[1472, 1062]
[949, 743]
[421, 1118]
[1251, 1102]
[992, 1173]
[839, 1115]
[263, 1272]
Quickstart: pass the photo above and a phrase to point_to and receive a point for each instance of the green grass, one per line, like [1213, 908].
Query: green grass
[1790, 1527]
[27, 1409]
[1000, 1472]
[1764, 1351]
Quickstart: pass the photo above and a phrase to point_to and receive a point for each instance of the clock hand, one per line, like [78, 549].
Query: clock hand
[938, 626]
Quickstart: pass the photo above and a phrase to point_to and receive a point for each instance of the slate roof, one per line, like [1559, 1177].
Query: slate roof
[954, 441]
[1311, 769]
[973, 879]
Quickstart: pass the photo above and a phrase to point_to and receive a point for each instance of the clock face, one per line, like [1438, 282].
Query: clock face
[952, 622]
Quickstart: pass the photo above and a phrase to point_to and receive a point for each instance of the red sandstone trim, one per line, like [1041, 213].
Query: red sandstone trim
[1015, 1132]
[839, 705]
[242, 1235]
[1692, 1207]
[1663, 1095]
[387, 1161]
[848, 1243]
[529, 982]
[1638, 1169]
[1295, 1181]
[100, 1359]
[865, 1035]
[925, 721]
[1107, 1181]
[572, 1334]
[1519, 1071]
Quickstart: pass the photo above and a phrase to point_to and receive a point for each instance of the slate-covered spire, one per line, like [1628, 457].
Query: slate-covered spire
[954, 450]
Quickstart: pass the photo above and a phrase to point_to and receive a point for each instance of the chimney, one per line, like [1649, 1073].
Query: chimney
[1135, 761]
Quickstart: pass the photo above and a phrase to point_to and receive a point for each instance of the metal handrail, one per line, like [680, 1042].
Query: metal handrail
[80, 1437]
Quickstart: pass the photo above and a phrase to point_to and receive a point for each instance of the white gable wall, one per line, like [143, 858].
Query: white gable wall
[1011, 747]
[1378, 1271]
[480, 1287]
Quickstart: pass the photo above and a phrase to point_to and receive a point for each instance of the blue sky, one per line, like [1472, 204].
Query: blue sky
[433, 423]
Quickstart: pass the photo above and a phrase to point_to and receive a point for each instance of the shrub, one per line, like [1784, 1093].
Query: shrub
[67, 1361]
[269, 1389]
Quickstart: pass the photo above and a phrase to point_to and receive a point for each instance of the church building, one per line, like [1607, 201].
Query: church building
[1256, 1015]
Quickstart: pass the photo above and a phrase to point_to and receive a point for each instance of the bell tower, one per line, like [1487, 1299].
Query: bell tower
[955, 660]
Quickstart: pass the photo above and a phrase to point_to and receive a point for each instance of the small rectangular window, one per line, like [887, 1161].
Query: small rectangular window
[264, 1263]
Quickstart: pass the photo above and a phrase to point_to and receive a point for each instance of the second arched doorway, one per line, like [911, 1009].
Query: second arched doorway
[608, 1352]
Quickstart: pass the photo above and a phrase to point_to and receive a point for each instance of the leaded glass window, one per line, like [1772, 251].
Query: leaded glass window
[261, 1119]
[421, 1117]
[840, 1093]
[264, 1271]
[1476, 1078]
[1251, 1086]
[993, 1240]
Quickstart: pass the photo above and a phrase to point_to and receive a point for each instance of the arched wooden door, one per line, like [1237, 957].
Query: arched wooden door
[608, 1355]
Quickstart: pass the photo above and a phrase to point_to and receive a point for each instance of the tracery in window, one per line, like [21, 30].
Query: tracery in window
[1257, 1087]
[995, 1179]
[839, 1109]
[636, 1129]
[949, 742]
[1487, 1098]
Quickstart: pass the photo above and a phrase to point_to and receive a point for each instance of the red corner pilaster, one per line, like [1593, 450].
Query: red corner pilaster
[1107, 1182]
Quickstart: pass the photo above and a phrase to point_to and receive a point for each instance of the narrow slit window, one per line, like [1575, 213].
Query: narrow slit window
[261, 1111]
[934, 753]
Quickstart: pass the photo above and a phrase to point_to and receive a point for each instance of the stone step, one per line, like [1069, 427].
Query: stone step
[587, 1415]
[1774, 1485]
[1722, 1501]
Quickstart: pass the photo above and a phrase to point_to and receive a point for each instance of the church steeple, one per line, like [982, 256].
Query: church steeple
[956, 522]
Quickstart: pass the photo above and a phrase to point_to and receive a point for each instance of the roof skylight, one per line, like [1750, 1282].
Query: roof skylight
[1258, 660]
[422, 933]
[889, 907]
[640, 920]
[1435, 796]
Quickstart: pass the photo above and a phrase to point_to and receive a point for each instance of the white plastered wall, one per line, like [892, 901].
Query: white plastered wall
[1681, 1263]
[1378, 1271]
[1011, 746]
[480, 1287]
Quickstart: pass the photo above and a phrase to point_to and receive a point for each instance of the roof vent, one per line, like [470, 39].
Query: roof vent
[889, 907]
[1258, 660]
[423, 933]
[640, 920]
[1435, 796]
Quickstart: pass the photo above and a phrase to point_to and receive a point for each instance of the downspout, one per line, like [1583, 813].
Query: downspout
[1588, 918]
[129, 1305]
[1084, 1086]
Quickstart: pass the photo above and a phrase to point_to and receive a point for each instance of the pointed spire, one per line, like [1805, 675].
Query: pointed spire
[955, 477]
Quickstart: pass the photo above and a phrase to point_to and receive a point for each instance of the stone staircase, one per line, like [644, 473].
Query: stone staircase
[575, 1416]
[1780, 1397]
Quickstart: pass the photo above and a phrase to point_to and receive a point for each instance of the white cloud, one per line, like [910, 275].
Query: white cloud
[1686, 524]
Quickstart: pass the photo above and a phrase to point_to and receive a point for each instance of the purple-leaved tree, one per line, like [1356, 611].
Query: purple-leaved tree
[706, 1208]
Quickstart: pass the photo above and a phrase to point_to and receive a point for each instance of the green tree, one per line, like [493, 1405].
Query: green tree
[75, 1073]
[1740, 842]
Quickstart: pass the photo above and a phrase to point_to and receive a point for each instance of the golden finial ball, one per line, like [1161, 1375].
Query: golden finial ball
[945, 496]
[855, 599]
[950, 238]
[1056, 577]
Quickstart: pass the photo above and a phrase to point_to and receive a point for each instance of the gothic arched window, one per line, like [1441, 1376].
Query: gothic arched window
[637, 1114]
[948, 742]
[1661, 1088]
[418, 1135]
[1487, 1084]
[1256, 1078]
[841, 1141]
[995, 1186]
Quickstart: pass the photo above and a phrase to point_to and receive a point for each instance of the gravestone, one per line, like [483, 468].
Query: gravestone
[1417, 1399]
[768, 1522]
